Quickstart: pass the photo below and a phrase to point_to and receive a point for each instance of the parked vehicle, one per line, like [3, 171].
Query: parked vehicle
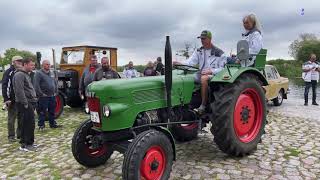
[119, 119]
[278, 87]
[73, 61]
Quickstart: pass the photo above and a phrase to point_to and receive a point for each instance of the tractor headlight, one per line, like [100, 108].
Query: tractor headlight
[106, 110]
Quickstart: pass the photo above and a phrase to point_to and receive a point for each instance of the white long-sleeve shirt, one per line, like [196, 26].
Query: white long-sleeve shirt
[130, 73]
[255, 45]
[313, 74]
[212, 59]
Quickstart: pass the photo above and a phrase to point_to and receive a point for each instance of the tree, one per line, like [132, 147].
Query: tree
[298, 43]
[9, 53]
[307, 48]
[186, 52]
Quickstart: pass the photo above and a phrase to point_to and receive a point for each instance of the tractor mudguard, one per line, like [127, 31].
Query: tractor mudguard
[231, 72]
[169, 135]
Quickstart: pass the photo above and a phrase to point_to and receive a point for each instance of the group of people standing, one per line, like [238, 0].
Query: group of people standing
[22, 96]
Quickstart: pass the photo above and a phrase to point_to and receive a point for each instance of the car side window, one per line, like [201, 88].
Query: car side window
[275, 73]
[269, 74]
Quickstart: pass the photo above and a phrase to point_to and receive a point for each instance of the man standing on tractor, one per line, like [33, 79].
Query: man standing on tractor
[105, 71]
[45, 86]
[210, 60]
[87, 75]
[130, 71]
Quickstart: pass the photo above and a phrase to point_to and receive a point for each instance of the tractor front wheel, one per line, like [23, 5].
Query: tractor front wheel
[149, 157]
[239, 115]
[84, 151]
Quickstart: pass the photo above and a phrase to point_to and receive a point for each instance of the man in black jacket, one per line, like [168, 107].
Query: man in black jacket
[9, 99]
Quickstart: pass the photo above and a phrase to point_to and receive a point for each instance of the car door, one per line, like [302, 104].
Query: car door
[271, 89]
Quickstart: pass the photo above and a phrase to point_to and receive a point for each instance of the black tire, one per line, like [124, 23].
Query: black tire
[185, 132]
[279, 99]
[82, 150]
[59, 106]
[231, 115]
[138, 152]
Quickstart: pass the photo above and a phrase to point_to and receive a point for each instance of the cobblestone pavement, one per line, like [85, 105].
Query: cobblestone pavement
[289, 150]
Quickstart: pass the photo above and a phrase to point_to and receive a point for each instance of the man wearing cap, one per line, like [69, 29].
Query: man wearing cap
[9, 99]
[210, 60]
[87, 75]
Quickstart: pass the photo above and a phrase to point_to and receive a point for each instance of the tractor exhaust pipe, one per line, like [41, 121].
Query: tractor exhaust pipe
[168, 76]
[168, 70]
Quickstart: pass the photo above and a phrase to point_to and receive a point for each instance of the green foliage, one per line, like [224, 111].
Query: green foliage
[9, 53]
[287, 68]
[308, 48]
[298, 43]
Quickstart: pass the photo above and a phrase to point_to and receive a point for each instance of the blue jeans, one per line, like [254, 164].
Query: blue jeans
[46, 105]
[312, 84]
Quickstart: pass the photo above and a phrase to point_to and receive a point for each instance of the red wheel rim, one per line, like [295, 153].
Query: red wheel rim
[153, 164]
[248, 115]
[189, 126]
[58, 105]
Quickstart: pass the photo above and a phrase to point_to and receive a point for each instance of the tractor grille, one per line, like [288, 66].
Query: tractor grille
[148, 95]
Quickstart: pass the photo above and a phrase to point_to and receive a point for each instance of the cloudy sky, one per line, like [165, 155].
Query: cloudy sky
[138, 27]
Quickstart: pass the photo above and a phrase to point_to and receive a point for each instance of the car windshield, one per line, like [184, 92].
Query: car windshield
[73, 57]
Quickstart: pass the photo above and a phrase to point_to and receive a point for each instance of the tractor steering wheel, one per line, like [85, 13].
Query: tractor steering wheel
[185, 67]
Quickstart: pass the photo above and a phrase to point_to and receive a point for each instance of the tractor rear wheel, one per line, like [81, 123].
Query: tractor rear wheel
[149, 157]
[84, 151]
[239, 115]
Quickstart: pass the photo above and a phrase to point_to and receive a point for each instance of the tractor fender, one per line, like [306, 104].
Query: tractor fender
[231, 74]
[169, 135]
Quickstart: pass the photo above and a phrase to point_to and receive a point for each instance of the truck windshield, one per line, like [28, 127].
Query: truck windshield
[73, 57]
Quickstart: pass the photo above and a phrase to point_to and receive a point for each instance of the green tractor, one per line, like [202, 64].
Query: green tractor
[121, 116]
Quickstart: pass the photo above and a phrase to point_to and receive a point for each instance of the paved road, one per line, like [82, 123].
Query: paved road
[290, 150]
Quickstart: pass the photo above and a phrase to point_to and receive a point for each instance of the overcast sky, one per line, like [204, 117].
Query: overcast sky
[138, 27]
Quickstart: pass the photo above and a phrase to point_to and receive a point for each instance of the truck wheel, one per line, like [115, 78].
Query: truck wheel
[239, 115]
[82, 149]
[185, 132]
[149, 157]
[278, 100]
[59, 106]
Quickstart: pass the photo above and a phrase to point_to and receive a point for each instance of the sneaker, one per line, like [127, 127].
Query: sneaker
[35, 145]
[306, 104]
[41, 128]
[200, 110]
[23, 148]
[31, 148]
[56, 126]
[316, 104]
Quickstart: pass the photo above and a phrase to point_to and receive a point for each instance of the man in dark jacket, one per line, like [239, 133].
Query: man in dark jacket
[105, 71]
[9, 99]
[87, 75]
[160, 67]
[26, 100]
[45, 86]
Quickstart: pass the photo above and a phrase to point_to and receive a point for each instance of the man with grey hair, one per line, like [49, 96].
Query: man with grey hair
[130, 71]
[45, 86]
[9, 99]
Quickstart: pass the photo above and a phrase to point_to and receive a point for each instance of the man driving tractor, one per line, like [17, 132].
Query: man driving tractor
[211, 60]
